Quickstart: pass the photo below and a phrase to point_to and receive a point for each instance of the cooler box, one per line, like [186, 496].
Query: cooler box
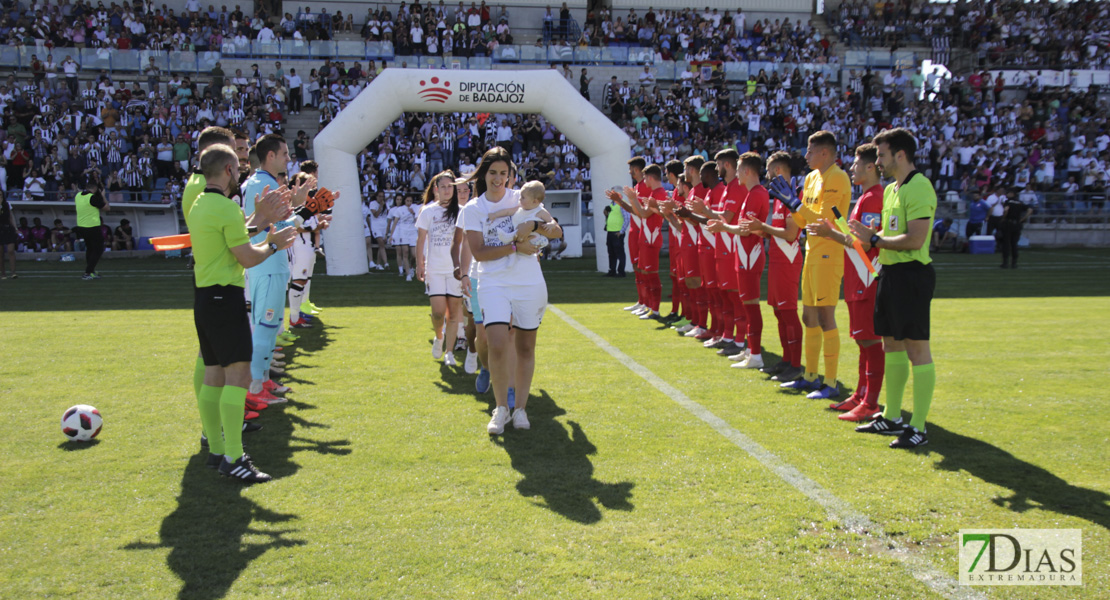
[981, 244]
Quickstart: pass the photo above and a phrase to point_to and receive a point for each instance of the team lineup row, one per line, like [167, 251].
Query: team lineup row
[720, 215]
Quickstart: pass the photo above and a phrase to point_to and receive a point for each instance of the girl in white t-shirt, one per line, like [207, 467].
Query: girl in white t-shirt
[377, 223]
[434, 264]
[402, 233]
[511, 288]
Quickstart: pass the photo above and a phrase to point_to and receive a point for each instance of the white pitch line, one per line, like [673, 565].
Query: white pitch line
[838, 509]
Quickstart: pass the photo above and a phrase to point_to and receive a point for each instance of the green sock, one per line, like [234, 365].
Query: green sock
[208, 401]
[232, 401]
[897, 374]
[198, 376]
[924, 380]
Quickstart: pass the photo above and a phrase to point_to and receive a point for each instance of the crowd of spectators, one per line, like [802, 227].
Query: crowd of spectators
[1042, 33]
[709, 34]
[137, 140]
[139, 24]
[976, 138]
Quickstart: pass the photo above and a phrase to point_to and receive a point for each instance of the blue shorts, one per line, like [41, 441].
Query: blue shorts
[268, 294]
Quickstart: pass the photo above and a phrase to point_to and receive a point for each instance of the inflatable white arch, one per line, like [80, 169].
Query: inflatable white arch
[433, 90]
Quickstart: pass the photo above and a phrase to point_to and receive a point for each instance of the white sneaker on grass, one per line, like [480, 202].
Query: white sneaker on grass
[687, 328]
[741, 356]
[449, 360]
[437, 348]
[695, 332]
[520, 419]
[497, 421]
[649, 314]
[754, 361]
[471, 363]
[634, 307]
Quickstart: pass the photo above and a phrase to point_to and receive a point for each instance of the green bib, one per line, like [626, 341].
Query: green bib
[87, 214]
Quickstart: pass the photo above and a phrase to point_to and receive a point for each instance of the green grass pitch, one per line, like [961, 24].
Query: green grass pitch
[387, 485]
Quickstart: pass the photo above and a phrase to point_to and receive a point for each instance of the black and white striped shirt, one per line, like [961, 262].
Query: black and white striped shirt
[89, 99]
[131, 176]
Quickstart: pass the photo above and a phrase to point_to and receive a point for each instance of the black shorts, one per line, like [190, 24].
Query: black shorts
[902, 297]
[8, 235]
[223, 327]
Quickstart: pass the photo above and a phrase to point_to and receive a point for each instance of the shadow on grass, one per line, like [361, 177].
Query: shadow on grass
[1031, 486]
[556, 465]
[72, 446]
[215, 531]
[205, 533]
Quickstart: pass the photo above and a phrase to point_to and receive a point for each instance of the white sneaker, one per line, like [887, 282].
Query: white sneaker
[373, 267]
[640, 311]
[470, 365]
[437, 348]
[740, 356]
[450, 361]
[695, 332]
[520, 419]
[644, 316]
[687, 328]
[634, 307]
[713, 341]
[753, 362]
[497, 421]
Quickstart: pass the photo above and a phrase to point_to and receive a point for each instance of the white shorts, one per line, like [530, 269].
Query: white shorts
[403, 237]
[521, 305]
[302, 259]
[378, 230]
[436, 284]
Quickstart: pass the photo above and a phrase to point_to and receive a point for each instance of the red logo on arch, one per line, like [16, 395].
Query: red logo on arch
[433, 90]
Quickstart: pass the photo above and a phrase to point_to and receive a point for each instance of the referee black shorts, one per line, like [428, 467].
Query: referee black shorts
[223, 327]
[902, 300]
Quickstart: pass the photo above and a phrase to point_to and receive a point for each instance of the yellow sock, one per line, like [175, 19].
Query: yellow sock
[832, 355]
[813, 352]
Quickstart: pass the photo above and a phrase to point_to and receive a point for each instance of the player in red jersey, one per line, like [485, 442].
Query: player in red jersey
[749, 257]
[726, 199]
[707, 250]
[691, 240]
[859, 288]
[645, 199]
[783, 274]
[636, 170]
[679, 295]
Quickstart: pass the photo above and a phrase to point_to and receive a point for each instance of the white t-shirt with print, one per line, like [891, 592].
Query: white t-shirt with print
[437, 245]
[514, 269]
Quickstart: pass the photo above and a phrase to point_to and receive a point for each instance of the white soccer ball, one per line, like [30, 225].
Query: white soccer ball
[81, 423]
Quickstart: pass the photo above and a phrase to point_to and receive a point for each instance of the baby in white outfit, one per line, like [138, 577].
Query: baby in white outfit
[530, 215]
